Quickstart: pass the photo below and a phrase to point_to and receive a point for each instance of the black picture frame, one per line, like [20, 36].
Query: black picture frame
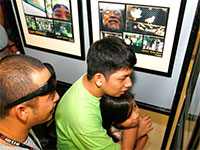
[61, 36]
[164, 31]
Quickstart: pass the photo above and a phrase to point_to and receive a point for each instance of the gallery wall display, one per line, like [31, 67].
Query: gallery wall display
[54, 26]
[150, 28]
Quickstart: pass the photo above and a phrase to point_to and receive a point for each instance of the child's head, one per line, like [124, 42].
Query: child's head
[109, 55]
[119, 111]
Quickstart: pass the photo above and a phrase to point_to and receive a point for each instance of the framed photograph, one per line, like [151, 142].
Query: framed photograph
[150, 28]
[54, 26]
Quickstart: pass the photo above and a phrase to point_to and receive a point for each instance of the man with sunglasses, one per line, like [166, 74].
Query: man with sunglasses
[27, 98]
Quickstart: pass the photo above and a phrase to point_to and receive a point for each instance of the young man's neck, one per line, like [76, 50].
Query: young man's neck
[91, 87]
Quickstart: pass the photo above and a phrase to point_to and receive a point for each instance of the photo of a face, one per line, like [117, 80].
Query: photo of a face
[61, 12]
[112, 16]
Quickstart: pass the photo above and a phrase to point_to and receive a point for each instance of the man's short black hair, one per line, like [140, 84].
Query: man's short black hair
[109, 55]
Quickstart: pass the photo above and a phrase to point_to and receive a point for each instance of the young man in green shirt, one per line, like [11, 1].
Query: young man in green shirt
[78, 118]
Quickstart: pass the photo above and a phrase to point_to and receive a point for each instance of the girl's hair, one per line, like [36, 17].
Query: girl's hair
[115, 110]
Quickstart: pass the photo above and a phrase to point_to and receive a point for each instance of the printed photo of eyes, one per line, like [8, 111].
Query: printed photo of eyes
[111, 17]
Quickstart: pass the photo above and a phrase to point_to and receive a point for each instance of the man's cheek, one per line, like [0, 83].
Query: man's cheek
[106, 19]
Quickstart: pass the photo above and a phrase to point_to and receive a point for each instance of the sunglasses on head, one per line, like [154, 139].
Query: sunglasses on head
[48, 87]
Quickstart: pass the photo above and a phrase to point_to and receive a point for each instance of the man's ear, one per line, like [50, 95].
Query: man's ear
[21, 112]
[99, 79]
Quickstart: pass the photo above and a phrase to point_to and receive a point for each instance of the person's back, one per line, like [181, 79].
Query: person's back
[78, 116]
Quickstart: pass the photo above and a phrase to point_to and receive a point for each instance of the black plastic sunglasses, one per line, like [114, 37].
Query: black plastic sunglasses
[48, 87]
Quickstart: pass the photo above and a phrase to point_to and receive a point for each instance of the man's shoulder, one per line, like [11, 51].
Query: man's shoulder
[76, 88]
[77, 82]
[70, 100]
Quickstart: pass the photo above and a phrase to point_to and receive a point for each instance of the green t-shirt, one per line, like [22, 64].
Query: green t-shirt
[79, 122]
[65, 32]
[33, 25]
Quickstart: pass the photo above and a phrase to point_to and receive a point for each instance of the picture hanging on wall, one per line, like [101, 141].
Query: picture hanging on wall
[54, 26]
[150, 28]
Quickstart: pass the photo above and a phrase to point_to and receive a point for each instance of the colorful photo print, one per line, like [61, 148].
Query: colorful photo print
[134, 40]
[58, 9]
[111, 16]
[151, 28]
[63, 30]
[45, 27]
[153, 45]
[47, 17]
[146, 20]
[106, 34]
[34, 7]
[31, 24]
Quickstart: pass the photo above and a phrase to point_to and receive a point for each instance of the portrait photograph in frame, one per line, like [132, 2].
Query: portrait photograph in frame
[150, 28]
[54, 26]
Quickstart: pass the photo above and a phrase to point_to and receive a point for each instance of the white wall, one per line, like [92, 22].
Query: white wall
[151, 89]
[158, 90]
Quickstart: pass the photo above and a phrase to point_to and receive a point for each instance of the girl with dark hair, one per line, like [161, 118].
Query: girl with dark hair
[121, 113]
